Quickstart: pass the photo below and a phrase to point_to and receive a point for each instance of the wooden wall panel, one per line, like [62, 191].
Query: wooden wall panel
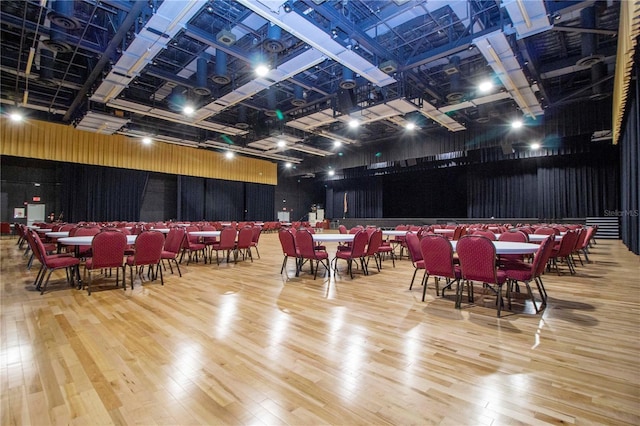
[49, 141]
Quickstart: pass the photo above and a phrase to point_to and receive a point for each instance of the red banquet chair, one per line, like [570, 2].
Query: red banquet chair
[107, 250]
[148, 251]
[437, 258]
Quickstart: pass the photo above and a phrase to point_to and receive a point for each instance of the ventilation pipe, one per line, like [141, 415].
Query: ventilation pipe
[271, 102]
[46, 68]
[57, 38]
[273, 43]
[598, 72]
[589, 40]
[177, 98]
[348, 81]
[242, 118]
[220, 76]
[483, 114]
[201, 78]
[455, 94]
[298, 96]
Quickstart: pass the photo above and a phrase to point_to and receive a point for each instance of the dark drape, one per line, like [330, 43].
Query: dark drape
[259, 202]
[191, 198]
[502, 190]
[629, 175]
[364, 198]
[95, 193]
[225, 200]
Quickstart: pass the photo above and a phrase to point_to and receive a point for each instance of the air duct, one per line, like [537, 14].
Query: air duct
[242, 118]
[298, 96]
[46, 68]
[201, 78]
[220, 76]
[62, 15]
[348, 81]
[455, 94]
[177, 98]
[389, 66]
[273, 43]
[598, 72]
[271, 102]
[483, 114]
[589, 40]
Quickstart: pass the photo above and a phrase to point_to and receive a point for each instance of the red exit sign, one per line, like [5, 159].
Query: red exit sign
[36, 198]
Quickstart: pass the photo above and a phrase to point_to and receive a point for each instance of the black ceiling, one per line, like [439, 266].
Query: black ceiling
[129, 67]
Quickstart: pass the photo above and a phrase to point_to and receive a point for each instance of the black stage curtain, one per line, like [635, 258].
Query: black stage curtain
[629, 175]
[92, 193]
[259, 201]
[363, 198]
[191, 198]
[225, 200]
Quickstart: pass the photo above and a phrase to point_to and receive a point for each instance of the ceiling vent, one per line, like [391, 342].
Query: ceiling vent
[46, 68]
[347, 82]
[226, 37]
[62, 15]
[389, 66]
[221, 76]
[299, 98]
[455, 94]
[588, 41]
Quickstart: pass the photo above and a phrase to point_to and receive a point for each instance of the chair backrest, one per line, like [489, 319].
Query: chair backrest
[375, 241]
[589, 235]
[245, 235]
[288, 243]
[192, 239]
[413, 246]
[546, 230]
[542, 256]
[175, 239]
[477, 258]
[515, 236]
[304, 244]
[257, 230]
[342, 229]
[582, 235]
[487, 234]
[360, 240]
[227, 238]
[567, 244]
[108, 248]
[148, 248]
[437, 254]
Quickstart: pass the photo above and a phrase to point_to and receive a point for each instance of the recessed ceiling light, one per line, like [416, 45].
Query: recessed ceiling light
[410, 126]
[287, 165]
[535, 146]
[516, 124]
[229, 155]
[331, 173]
[354, 123]
[281, 144]
[337, 144]
[188, 110]
[262, 70]
[146, 140]
[15, 116]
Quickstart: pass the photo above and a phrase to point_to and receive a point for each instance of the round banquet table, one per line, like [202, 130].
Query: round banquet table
[508, 247]
[86, 240]
[57, 234]
[205, 233]
[333, 238]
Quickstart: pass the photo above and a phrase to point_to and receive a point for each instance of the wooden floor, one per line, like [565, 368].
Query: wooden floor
[243, 344]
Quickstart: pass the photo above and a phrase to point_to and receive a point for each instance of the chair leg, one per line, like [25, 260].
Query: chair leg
[284, 263]
[425, 279]
[415, 271]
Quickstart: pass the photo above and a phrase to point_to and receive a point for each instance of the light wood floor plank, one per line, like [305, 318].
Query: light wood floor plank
[243, 344]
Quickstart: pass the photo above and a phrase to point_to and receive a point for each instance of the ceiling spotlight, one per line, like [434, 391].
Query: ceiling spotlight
[229, 155]
[287, 7]
[556, 16]
[535, 146]
[354, 123]
[410, 126]
[485, 86]
[146, 140]
[334, 33]
[516, 124]
[337, 144]
[16, 117]
[281, 143]
[331, 173]
[210, 9]
[287, 165]
[188, 110]
[262, 70]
